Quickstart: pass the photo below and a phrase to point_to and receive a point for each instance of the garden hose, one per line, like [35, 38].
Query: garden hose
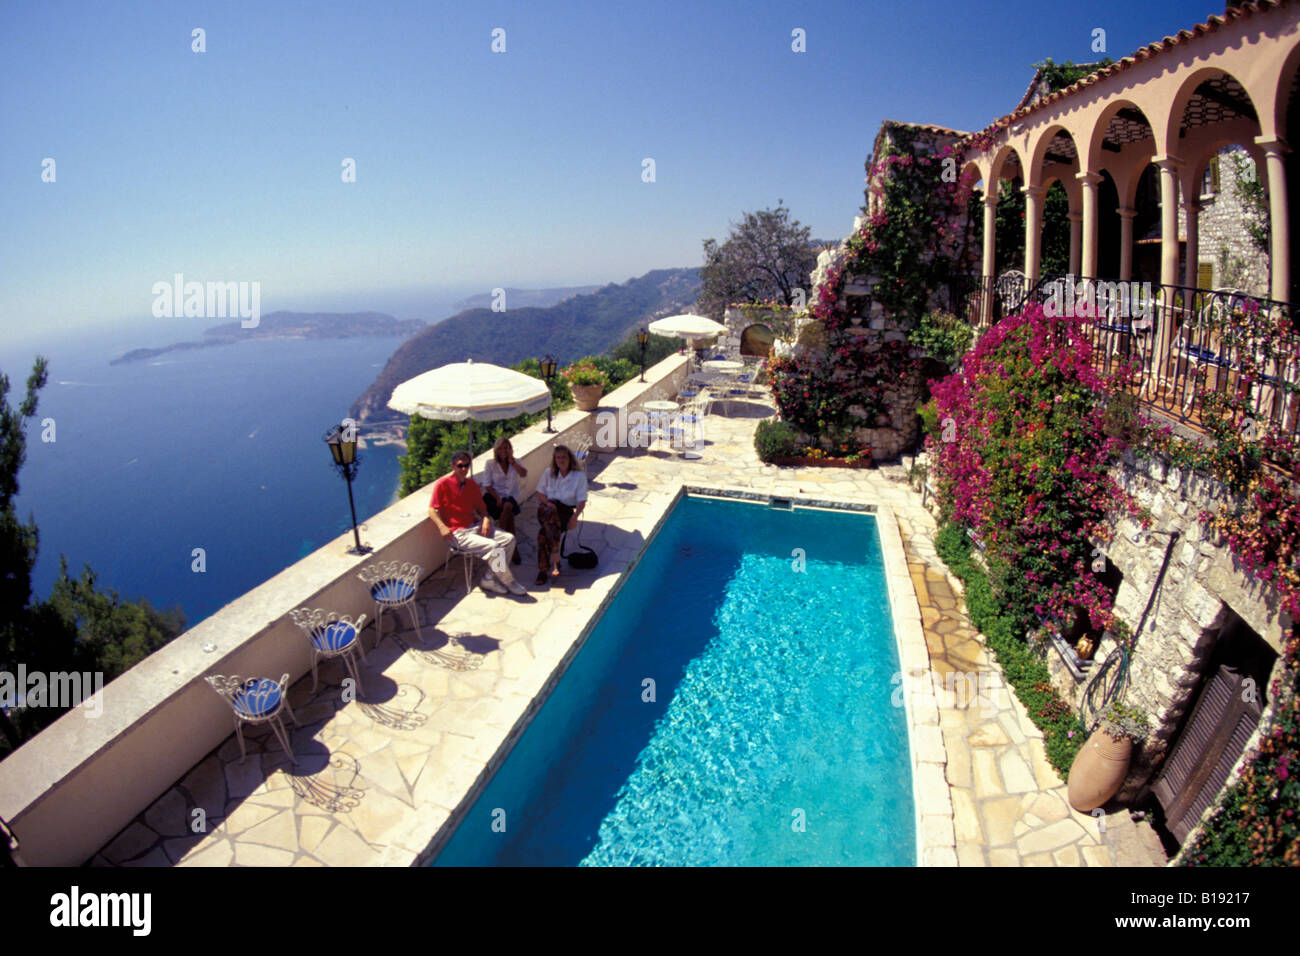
[1119, 657]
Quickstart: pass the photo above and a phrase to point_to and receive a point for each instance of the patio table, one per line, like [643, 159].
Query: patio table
[728, 368]
[659, 411]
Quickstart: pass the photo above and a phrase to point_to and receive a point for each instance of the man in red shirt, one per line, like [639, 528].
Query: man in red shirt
[456, 507]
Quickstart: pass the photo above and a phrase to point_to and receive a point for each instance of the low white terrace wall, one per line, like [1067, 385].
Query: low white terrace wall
[69, 790]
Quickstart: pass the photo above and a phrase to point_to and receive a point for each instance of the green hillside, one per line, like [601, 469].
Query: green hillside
[583, 325]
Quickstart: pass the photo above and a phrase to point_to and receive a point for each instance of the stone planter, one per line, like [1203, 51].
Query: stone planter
[587, 397]
[803, 461]
[1099, 770]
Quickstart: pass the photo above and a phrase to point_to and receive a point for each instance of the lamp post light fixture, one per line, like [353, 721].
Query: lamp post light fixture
[642, 337]
[342, 440]
[548, 373]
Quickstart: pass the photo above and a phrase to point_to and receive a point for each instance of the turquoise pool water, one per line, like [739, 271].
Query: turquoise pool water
[727, 709]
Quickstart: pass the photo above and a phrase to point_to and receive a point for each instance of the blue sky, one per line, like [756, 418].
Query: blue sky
[474, 169]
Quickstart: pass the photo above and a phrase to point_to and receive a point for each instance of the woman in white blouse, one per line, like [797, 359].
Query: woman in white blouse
[561, 496]
[501, 487]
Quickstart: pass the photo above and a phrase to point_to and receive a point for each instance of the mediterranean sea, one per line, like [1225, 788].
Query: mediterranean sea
[215, 448]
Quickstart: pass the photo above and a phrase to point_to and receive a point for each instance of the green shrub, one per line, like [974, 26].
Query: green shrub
[774, 439]
[1024, 670]
[943, 336]
[929, 413]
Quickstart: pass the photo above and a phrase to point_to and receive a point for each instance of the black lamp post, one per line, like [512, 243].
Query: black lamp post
[548, 373]
[343, 447]
[642, 337]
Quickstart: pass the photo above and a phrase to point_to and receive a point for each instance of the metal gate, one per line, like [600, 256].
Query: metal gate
[1203, 755]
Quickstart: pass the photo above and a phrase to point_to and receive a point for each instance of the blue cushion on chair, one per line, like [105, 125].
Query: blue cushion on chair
[391, 591]
[1206, 355]
[257, 698]
[333, 637]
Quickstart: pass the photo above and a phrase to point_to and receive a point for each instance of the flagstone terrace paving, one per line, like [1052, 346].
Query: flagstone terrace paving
[377, 775]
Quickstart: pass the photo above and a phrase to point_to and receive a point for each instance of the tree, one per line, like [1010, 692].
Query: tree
[430, 443]
[767, 256]
[79, 628]
[18, 541]
[657, 348]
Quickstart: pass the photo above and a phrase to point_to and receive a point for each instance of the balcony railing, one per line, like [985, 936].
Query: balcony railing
[1188, 345]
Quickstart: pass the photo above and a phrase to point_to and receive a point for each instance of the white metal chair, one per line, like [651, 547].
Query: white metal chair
[256, 700]
[688, 429]
[467, 562]
[393, 584]
[331, 635]
[581, 448]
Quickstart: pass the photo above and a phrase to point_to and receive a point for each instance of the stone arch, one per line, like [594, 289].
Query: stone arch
[1007, 163]
[1056, 146]
[1114, 136]
[757, 340]
[1284, 91]
[1191, 108]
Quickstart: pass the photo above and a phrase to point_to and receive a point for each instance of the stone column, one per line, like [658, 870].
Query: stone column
[1033, 230]
[1088, 181]
[1168, 166]
[1126, 243]
[1275, 151]
[990, 251]
[1165, 316]
[1192, 210]
[1076, 240]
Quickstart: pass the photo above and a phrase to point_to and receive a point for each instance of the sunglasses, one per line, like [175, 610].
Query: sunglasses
[460, 464]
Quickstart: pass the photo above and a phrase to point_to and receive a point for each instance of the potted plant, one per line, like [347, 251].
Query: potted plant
[586, 382]
[1100, 767]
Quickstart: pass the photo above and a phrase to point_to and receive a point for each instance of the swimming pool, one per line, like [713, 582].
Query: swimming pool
[733, 706]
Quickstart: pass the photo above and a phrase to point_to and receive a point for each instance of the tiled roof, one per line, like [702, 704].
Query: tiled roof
[1211, 25]
[928, 127]
[1036, 83]
[888, 124]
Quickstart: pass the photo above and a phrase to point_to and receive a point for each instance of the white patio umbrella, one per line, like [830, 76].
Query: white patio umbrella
[687, 326]
[470, 391]
[690, 327]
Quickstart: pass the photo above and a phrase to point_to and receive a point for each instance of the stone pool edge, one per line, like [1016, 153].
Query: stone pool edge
[932, 803]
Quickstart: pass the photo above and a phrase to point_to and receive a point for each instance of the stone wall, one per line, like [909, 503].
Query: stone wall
[1222, 223]
[1203, 587]
[897, 428]
[1203, 590]
[738, 317]
[1221, 227]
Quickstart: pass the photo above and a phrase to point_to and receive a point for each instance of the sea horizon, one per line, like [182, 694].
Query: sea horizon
[192, 477]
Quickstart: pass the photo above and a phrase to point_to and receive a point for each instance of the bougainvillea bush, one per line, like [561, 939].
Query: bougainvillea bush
[829, 394]
[908, 247]
[1022, 459]
[912, 241]
[1255, 456]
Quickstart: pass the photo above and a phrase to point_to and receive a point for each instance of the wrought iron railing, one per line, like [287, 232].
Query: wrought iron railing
[1189, 345]
[982, 300]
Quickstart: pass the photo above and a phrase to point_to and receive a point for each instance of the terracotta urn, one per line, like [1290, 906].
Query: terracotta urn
[587, 397]
[1099, 770]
